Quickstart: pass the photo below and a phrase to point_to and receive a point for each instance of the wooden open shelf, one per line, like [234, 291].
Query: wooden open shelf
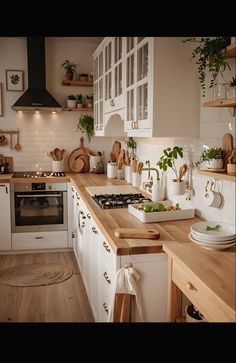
[77, 83]
[229, 102]
[222, 176]
[82, 109]
[231, 50]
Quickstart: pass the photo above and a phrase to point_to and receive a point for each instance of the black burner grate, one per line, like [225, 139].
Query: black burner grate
[108, 201]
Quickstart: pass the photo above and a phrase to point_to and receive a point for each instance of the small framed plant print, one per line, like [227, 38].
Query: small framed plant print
[14, 80]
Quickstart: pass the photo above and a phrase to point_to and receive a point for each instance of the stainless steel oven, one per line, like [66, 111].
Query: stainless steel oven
[38, 207]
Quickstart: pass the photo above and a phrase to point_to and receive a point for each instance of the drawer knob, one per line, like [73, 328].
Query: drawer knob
[189, 285]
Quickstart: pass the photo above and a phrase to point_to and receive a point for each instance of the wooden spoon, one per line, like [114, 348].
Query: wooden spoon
[227, 145]
[63, 154]
[182, 171]
[18, 146]
[57, 153]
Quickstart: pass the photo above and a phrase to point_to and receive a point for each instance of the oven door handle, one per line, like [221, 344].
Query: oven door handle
[37, 195]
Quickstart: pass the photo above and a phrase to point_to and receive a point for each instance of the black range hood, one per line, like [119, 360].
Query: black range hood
[36, 97]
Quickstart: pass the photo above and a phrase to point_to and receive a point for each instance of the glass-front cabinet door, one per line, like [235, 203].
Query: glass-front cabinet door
[138, 91]
[113, 81]
[98, 66]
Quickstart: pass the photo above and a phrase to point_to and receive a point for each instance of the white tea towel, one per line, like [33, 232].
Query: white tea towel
[126, 283]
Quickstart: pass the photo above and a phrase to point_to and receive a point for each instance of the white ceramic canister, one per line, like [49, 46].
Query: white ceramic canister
[128, 173]
[111, 170]
[178, 187]
[157, 191]
[57, 165]
[136, 179]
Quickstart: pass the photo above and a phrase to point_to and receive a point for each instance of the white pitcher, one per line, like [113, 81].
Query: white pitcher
[157, 190]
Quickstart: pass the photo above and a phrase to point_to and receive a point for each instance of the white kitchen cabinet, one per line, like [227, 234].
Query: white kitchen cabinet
[98, 91]
[5, 217]
[108, 87]
[161, 88]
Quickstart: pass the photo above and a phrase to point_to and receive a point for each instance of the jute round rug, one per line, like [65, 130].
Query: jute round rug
[35, 275]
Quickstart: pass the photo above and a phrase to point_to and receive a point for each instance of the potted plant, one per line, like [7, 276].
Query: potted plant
[231, 90]
[211, 55]
[167, 160]
[86, 125]
[212, 158]
[71, 102]
[89, 101]
[79, 99]
[70, 68]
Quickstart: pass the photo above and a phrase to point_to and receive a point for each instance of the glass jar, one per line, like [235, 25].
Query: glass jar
[219, 91]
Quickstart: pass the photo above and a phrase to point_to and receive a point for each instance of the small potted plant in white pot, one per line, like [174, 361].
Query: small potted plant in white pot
[79, 99]
[71, 102]
[167, 160]
[211, 158]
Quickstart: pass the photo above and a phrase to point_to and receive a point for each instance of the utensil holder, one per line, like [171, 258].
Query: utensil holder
[178, 187]
[136, 179]
[57, 166]
[128, 173]
[111, 170]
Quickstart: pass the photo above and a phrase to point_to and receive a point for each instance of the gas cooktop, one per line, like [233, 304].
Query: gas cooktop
[37, 174]
[108, 201]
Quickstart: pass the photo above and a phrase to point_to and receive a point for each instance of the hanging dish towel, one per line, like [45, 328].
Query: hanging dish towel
[125, 291]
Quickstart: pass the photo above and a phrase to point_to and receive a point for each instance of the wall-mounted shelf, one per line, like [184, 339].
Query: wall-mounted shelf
[222, 176]
[228, 102]
[77, 83]
[82, 109]
[231, 50]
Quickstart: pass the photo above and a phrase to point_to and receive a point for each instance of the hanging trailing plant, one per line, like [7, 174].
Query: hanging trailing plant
[211, 54]
[86, 125]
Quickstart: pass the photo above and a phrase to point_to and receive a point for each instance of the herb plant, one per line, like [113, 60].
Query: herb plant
[211, 154]
[71, 97]
[211, 54]
[168, 159]
[233, 82]
[86, 125]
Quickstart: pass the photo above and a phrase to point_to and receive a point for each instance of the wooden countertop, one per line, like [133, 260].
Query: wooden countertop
[216, 269]
[110, 219]
[5, 178]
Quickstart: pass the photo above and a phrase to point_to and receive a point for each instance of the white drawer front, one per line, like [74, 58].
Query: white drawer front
[39, 240]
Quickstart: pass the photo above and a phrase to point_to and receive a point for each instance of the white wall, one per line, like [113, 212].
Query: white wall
[40, 133]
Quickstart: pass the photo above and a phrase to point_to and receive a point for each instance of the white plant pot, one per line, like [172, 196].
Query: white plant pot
[71, 103]
[215, 164]
[79, 105]
[178, 187]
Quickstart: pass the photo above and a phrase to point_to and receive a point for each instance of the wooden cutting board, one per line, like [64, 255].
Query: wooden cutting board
[227, 146]
[77, 153]
[137, 233]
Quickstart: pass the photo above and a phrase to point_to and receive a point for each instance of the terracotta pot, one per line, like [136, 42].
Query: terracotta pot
[69, 76]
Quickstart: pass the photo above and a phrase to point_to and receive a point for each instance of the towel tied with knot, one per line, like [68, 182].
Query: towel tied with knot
[126, 286]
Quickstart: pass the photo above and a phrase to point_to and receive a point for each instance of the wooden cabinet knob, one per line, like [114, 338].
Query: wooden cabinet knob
[189, 285]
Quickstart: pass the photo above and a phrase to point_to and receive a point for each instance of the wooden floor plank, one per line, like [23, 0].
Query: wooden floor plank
[63, 302]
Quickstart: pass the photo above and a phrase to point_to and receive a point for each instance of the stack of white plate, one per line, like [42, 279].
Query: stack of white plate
[219, 239]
